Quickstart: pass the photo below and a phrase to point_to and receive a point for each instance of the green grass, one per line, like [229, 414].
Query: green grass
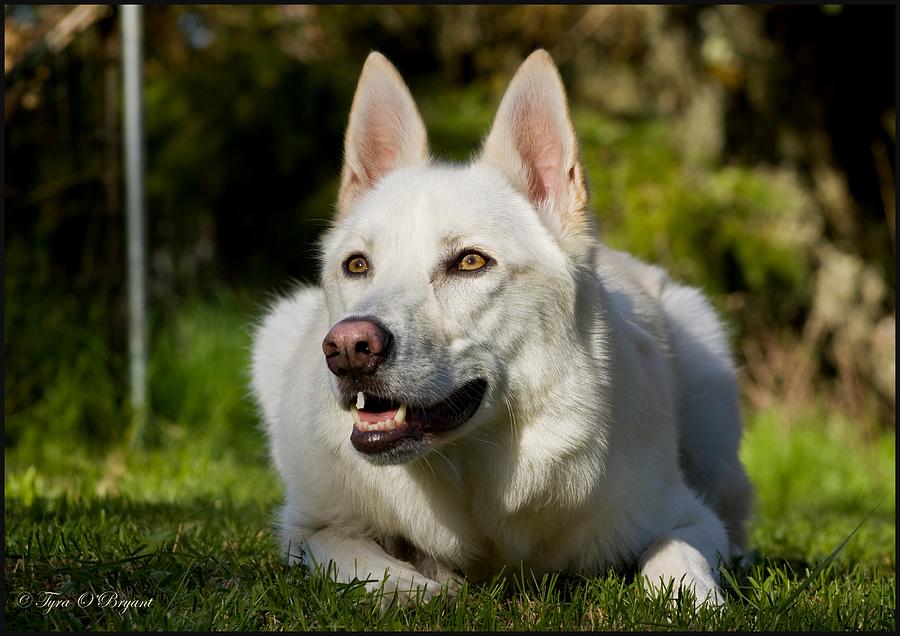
[186, 525]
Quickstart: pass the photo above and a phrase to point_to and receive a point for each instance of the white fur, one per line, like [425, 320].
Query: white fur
[609, 432]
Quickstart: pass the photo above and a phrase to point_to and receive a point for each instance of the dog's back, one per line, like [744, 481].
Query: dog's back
[687, 326]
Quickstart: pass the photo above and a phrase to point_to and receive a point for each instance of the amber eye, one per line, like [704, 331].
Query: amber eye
[356, 265]
[471, 261]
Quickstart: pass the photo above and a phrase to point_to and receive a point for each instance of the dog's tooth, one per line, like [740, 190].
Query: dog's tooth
[400, 416]
[383, 425]
[360, 400]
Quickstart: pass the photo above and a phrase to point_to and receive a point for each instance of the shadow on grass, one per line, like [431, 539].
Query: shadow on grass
[183, 555]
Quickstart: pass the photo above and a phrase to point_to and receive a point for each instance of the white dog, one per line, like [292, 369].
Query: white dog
[479, 382]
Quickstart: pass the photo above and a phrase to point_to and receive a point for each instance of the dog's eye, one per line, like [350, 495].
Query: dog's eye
[356, 265]
[471, 261]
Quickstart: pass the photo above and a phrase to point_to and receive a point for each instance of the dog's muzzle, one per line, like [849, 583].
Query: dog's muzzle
[390, 431]
[389, 428]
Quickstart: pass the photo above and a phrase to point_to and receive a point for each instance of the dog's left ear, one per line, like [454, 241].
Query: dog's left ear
[533, 142]
[385, 130]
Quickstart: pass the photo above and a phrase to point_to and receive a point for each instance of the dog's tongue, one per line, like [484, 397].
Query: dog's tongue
[372, 416]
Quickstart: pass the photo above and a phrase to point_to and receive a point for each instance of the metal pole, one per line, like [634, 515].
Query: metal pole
[135, 223]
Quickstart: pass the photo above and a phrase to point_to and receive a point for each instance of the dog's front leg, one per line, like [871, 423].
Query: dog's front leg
[687, 554]
[362, 558]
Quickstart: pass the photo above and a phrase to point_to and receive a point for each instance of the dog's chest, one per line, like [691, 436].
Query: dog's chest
[480, 526]
[536, 539]
[478, 512]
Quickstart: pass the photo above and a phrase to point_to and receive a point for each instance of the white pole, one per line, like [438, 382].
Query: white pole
[135, 219]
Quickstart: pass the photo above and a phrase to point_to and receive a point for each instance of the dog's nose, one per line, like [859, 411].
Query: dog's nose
[356, 347]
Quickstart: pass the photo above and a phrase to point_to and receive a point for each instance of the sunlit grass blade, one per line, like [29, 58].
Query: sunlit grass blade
[821, 567]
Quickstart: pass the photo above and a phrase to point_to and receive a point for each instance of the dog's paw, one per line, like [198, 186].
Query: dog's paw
[406, 587]
[452, 587]
[674, 563]
[705, 591]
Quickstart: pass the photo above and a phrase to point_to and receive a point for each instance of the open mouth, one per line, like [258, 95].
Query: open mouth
[381, 424]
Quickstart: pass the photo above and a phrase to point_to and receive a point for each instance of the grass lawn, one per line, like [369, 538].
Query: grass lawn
[184, 528]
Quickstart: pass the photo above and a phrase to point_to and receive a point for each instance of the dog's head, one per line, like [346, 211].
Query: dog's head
[450, 288]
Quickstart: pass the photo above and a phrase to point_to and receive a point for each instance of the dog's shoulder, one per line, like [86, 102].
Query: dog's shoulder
[635, 289]
[285, 328]
[623, 270]
[647, 294]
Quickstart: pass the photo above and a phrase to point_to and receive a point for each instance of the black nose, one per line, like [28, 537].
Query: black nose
[356, 347]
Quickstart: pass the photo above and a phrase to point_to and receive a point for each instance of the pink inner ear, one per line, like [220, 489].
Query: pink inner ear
[380, 141]
[540, 147]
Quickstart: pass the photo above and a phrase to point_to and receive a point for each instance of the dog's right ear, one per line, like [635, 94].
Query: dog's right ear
[385, 130]
[532, 140]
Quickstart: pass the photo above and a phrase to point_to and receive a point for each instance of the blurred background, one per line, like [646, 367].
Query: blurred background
[749, 149]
